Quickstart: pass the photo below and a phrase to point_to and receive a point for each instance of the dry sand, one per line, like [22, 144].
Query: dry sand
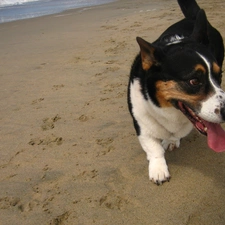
[69, 154]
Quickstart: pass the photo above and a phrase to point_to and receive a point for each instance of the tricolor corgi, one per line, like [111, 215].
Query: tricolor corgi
[174, 85]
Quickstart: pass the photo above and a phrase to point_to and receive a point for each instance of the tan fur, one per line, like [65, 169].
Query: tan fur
[168, 90]
[200, 67]
[216, 68]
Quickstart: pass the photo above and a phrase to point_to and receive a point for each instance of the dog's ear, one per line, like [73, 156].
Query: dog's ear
[147, 54]
[200, 33]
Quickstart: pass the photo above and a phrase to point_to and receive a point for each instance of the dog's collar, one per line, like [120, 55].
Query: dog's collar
[173, 39]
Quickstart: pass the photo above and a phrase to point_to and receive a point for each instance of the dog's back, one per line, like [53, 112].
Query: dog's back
[185, 28]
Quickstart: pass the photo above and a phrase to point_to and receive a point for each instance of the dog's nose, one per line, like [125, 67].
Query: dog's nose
[222, 112]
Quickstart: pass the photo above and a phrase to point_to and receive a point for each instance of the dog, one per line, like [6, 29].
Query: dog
[174, 85]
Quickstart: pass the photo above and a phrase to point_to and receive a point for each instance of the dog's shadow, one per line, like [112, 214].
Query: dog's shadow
[194, 153]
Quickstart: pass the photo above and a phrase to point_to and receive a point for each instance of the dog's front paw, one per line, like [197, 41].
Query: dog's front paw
[171, 144]
[158, 170]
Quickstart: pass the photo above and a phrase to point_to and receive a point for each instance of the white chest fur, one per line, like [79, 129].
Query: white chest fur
[161, 123]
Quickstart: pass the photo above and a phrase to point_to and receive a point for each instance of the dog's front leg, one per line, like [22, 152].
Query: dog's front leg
[158, 170]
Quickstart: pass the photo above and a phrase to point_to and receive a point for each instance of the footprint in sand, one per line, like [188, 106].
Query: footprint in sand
[83, 118]
[8, 202]
[49, 140]
[106, 144]
[37, 101]
[57, 87]
[113, 201]
[49, 123]
[61, 219]
[87, 175]
[119, 47]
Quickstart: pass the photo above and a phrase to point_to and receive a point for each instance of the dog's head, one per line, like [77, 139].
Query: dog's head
[185, 74]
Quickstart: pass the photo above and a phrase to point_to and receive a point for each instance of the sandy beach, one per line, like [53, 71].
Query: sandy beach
[68, 150]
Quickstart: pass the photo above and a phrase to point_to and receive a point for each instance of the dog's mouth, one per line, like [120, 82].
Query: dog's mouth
[196, 120]
[214, 132]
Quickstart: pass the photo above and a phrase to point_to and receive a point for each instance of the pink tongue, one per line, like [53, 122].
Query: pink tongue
[216, 136]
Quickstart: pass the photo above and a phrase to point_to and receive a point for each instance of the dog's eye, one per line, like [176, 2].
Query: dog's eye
[195, 82]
